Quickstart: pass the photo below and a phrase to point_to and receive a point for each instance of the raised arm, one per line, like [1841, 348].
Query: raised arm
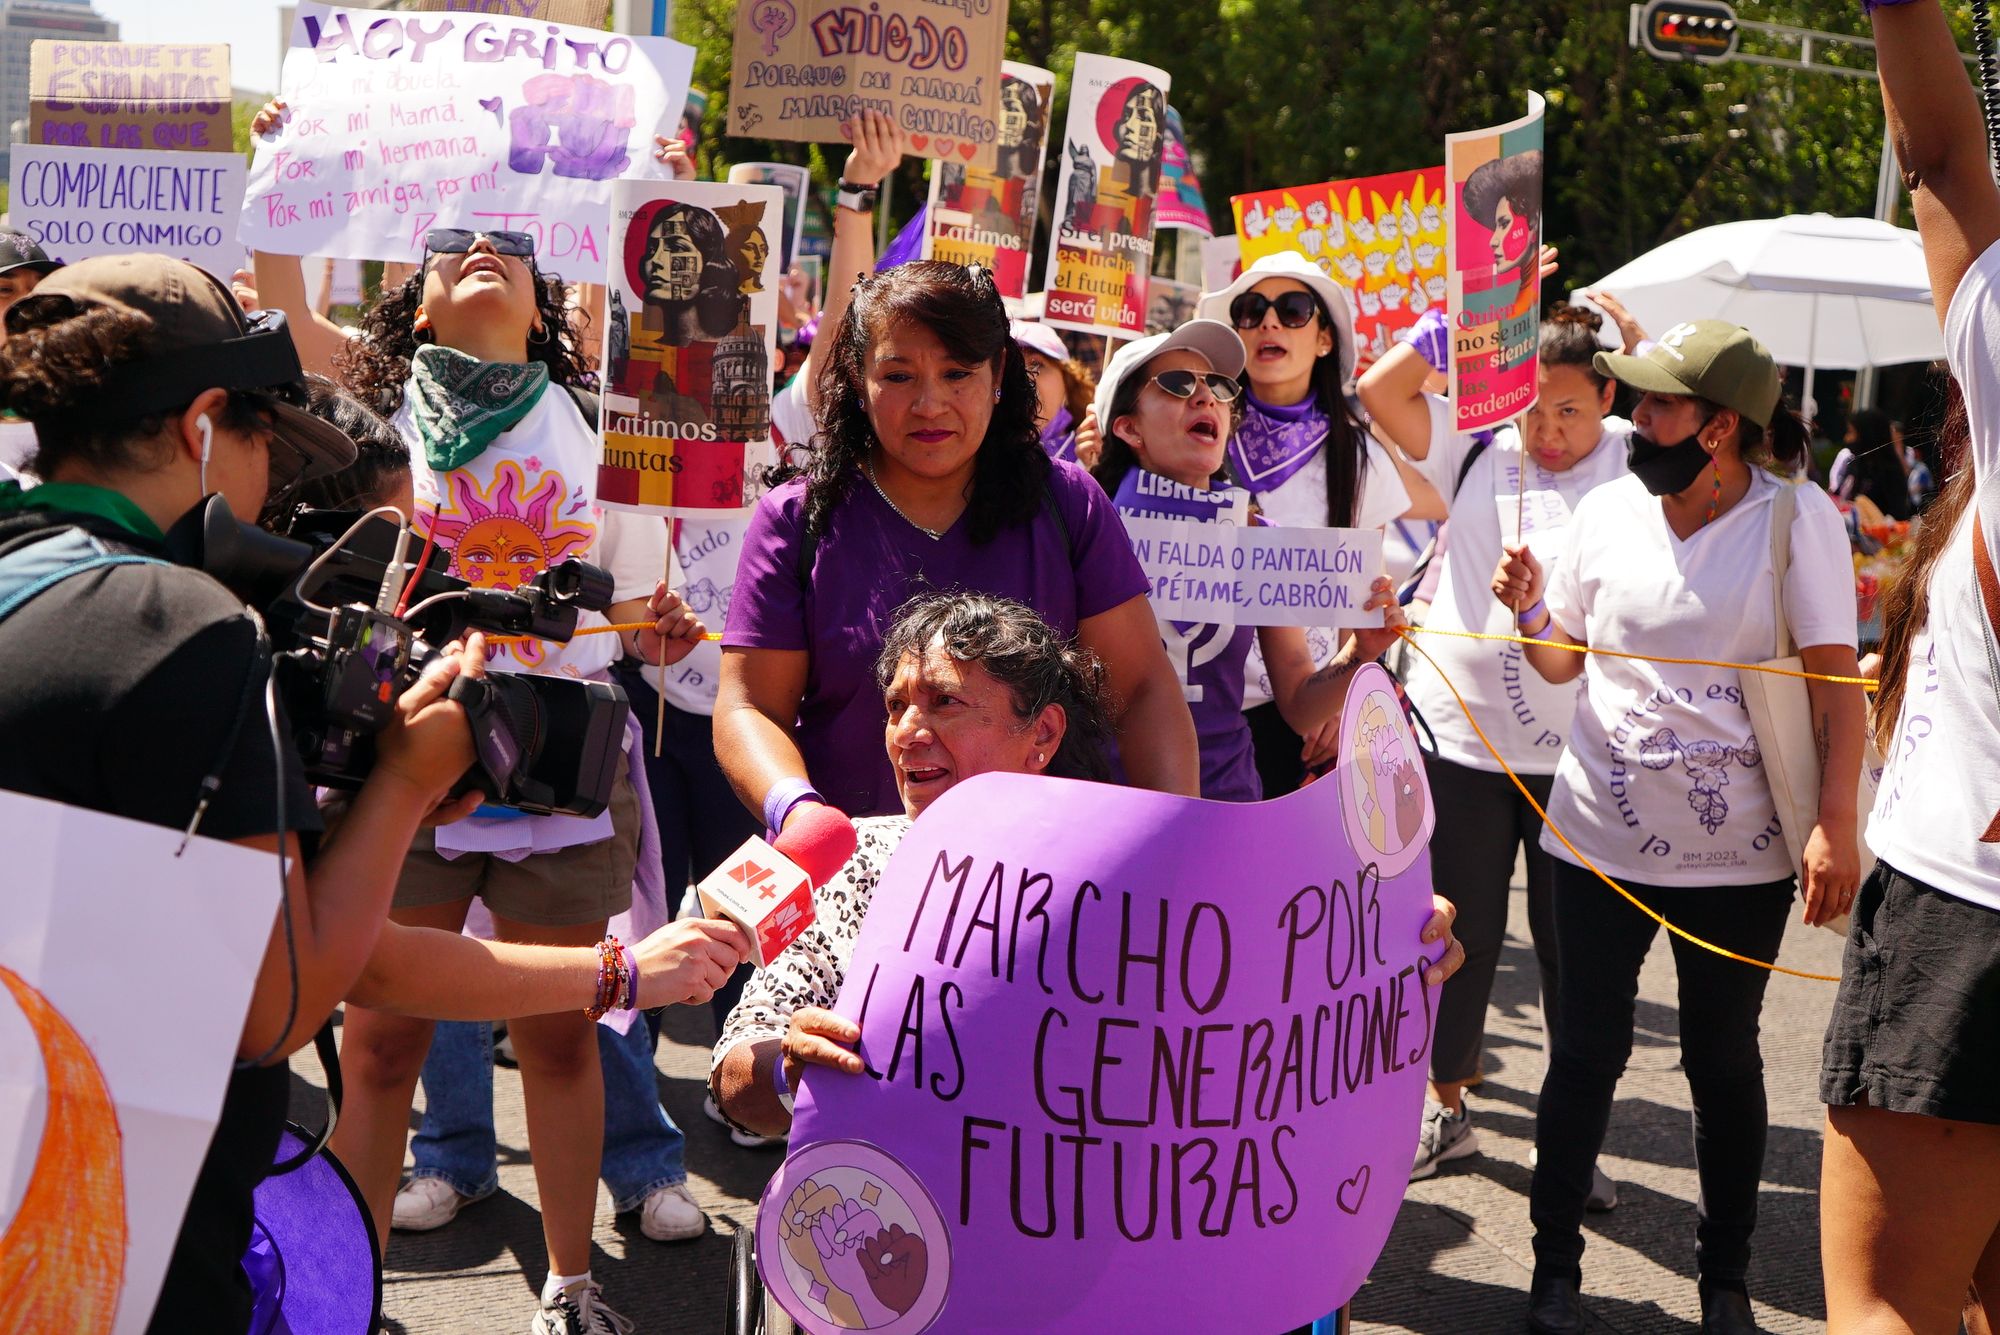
[1392, 390]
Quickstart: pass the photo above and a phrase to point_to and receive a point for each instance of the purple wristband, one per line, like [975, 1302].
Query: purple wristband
[1870, 6]
[778, 1082]
[632, 978]
[785, 794]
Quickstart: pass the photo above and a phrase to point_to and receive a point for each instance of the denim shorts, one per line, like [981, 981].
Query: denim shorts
[1916, 1028]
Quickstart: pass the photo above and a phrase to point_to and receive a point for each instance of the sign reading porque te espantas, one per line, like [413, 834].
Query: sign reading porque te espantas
[130, 95]
[80, 202]
[1253, 575]
[402, 122]
[1134, 1061]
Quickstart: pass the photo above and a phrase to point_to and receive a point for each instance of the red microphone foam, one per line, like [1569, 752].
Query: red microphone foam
[820, 839]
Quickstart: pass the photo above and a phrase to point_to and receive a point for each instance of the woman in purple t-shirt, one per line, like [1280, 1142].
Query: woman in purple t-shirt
[927, 475]
[1165, 402]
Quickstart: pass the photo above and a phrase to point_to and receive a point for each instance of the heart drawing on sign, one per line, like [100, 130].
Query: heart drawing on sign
[1353, 1191]
[492, 104]
[967, 150]
[945, 147]
[918, 141]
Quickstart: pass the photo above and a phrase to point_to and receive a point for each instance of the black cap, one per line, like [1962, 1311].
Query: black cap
[18, 250]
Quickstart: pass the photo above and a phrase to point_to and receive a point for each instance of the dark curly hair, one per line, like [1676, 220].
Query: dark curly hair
[55, 358]
[1018, 649]
[375, 366]
[962, 307]
[1516, 178]
[381, 458]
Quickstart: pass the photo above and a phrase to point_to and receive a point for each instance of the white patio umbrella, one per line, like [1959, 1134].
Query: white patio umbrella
[1820, 292]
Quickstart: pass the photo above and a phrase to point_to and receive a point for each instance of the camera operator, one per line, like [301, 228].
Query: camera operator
[138, 689]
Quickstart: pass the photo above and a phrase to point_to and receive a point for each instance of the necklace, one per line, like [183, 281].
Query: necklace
[1714, 496]
[934, 534]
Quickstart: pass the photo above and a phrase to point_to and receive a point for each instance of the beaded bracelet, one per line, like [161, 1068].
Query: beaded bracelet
[609, 968]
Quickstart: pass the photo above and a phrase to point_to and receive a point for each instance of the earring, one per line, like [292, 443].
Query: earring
[996, 396]
[1038, 758]
[538, 337]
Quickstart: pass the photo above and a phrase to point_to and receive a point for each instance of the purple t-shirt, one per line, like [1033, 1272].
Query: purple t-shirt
[867, 564]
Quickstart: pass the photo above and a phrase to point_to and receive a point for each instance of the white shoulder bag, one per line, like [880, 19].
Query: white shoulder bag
[1781, 716]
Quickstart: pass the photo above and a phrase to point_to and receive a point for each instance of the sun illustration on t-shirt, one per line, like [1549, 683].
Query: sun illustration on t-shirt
[501, 539]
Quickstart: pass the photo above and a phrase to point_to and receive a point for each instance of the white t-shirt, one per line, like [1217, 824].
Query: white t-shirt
[525, 502]
[791, 415]
[1301, 503]
[1525, 716]
[1662, 781]
[18, 444]
[1941, 788]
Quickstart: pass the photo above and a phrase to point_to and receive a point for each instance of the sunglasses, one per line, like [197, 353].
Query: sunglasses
[1295, 309]
[457, 241]
[1181, 384]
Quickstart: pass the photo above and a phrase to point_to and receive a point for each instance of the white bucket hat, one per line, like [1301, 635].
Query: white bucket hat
[1291, 264]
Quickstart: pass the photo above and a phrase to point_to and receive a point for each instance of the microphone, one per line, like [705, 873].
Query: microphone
[767, 890]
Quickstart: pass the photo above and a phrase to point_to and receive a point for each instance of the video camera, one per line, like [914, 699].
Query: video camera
[327, 590]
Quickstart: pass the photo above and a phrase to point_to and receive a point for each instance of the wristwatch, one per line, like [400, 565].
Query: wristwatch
[860, 198]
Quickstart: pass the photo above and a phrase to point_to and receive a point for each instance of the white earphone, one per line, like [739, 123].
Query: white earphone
[207, 429]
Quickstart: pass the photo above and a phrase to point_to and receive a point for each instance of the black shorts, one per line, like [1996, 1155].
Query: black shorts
[1916, 1028]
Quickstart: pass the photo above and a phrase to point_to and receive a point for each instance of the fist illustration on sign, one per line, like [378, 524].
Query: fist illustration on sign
[589, 120]
[896, 1263]
[774, 19]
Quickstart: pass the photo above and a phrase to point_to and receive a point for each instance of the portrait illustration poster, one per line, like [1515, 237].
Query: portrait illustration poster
[1495, 288]
[104, 1122]
[1383, 238]
[1101, 239]
[987, 217]
[693, 295]
[1137, 1061]
[796, 182]
[1181, 202]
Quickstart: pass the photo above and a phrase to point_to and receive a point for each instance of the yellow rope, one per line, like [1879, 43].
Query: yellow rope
[592, 630]
[1684, 934]
[1863, 682]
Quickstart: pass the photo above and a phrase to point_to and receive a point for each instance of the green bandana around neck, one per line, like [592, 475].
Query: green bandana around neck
[79, 498]
[462, 403]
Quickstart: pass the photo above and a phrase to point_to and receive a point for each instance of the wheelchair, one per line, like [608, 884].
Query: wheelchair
[751, 1311]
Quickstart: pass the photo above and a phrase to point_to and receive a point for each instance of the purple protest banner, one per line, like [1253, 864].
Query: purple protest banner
[1135, 1061]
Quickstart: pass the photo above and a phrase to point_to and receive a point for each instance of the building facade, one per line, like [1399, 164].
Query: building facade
[22, 24]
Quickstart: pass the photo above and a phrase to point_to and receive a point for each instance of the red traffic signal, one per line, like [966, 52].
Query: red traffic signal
[1689, 29]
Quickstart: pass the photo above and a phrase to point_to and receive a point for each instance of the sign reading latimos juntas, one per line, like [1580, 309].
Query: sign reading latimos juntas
[801, 67]
[978, 216]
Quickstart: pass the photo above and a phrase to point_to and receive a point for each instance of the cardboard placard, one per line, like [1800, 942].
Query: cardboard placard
[581, 13]
[801, 67]
[1135, 1062]
[157, 95]
[987, 217]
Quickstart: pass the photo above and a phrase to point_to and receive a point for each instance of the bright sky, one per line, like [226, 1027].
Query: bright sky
[249, 26]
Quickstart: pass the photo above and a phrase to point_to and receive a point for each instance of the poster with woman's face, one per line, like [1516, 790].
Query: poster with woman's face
[1494, 290]
[988, 217]
[795, 181]
[693, 278]
[1113, 150]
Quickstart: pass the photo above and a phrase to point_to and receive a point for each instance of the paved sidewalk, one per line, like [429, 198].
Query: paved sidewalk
[1457, 1263]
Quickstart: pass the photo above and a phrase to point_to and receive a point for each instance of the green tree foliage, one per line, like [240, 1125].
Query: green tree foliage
[1286, 92]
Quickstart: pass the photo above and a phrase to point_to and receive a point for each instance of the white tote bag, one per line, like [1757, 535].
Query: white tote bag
[1781, 716]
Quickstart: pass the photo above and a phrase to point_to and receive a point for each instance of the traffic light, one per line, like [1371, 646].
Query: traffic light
[1689, 29]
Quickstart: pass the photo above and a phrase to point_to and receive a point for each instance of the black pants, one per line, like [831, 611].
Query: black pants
[1603, 941]
[1275, 748]
[701, 820]
[1488, 819]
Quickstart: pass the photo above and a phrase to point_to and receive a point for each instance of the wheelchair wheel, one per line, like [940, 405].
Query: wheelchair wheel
[749, 1310]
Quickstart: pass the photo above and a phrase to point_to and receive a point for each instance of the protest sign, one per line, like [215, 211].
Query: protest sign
[1135, 1061]
[581, 13]
[987, 216]
[1495, 284]
[795, 183]
[79, 202]
[693, 287]
[130, 95]
[1255, 575]
[104, 1122]
[801, 67]
[1221, 261]
[1181, 204]
[1380, 237]
[1101, 245]
[405, 122]
[1169, 305]
[692, 112]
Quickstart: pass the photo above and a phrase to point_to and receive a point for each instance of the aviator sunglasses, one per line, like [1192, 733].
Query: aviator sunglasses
[457, 241]
[1295, 309]
[1181, 384]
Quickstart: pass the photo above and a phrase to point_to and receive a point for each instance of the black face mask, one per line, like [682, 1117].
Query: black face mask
[1667, 470]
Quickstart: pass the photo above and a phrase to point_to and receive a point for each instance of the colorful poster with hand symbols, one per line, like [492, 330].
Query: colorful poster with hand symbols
[801, 67]
[401, 122]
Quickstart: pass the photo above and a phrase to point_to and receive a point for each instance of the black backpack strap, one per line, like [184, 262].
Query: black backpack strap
[587, 402]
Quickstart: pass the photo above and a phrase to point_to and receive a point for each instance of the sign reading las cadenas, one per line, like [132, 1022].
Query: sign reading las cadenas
[801, 67]
[1133, 1061]
[402, 122]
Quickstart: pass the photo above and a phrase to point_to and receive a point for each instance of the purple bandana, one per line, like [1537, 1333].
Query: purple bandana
[1272, 443]
[1149, 496]
[1058, 439]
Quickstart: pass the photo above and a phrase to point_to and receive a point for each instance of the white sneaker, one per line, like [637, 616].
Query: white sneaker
[671, 1215]
[1447, 1135]
[747, 1139]
[427, 1203]
[580, 1310]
